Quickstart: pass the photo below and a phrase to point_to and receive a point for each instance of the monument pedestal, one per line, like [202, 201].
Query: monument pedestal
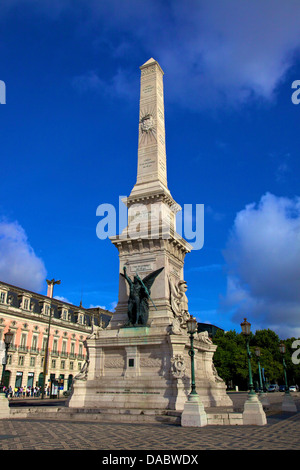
[4, 407]
[263, 397]
[145, 368]
[193, 414]
[288, 404]
[253, 411]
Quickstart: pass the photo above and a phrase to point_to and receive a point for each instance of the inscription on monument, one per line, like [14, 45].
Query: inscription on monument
[161, 139]
[147, 89]
[141, 267]
[160, 114]
[147, 163]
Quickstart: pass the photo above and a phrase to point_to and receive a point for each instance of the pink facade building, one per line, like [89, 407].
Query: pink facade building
[27, 315]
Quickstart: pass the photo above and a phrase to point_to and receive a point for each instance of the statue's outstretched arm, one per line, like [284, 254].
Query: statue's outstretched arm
[126, 277]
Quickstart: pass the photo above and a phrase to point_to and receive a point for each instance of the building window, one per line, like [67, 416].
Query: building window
[26, 304]
[44, 344]
[19, 376]
[2, 297]
[53, 363]
[62, 364]
[65, 314]
[54, 348]
[23, 341]
[21, 361]
[32, 361]
[72, 351]
[34, 343]
[47, 309]
[64, 347]
[71, 365]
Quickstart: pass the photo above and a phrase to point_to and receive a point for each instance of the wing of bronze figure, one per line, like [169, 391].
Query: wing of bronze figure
[148, 280]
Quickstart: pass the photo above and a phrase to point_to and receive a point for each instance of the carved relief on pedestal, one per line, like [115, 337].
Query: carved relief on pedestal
[204, 338]
[177, 366]
[82, 375]
[215, 374]
[95, 332]
[179, 305]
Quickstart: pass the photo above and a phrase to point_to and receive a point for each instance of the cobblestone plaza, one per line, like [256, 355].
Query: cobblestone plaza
[282, 432]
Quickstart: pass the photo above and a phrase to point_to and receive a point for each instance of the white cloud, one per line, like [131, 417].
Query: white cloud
[98, 306]
[19, 264]
[214, 53]
[62, 299]
[263, 264]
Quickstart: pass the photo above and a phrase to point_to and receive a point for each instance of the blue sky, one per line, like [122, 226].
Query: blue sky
[69, 129]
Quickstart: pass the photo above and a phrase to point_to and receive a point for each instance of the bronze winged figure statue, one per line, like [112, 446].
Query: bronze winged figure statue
[139, 295]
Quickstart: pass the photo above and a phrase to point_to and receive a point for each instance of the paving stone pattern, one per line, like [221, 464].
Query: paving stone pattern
[281, 433]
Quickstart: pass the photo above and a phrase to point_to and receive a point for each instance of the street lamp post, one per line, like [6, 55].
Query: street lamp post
[7, 340]
[46, 355]
[257, 354]
[194, 413]
[282, 350]
[262, 395]
[4, 402]
[253, 409]
[192, 328]
[246, 330]
[288, 403]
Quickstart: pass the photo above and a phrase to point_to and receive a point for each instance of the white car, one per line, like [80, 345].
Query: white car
[293, 388]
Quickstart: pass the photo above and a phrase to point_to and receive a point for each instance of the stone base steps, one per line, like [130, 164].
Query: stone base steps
[214, 417]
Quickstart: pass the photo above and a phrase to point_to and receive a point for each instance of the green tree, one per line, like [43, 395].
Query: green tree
[230, 358]
[231, 363]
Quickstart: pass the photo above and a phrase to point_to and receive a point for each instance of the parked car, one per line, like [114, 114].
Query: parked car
[282, 388]
[273, 388]
[293, 388]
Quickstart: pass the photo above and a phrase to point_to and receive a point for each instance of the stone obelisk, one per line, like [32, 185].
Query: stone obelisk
[152, 161]
[136, 369]
[150, 240]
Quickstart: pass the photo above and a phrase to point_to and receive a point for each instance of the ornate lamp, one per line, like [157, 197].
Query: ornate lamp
[8, 336]
[257, 354]
[246, 327]
[246, 330]
[192, 325]
[192, 328]
[282, 350]
[194, 413]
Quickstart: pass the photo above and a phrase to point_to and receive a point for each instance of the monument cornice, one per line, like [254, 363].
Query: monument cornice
[141, 243]
[150, 63]
[153, 197]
